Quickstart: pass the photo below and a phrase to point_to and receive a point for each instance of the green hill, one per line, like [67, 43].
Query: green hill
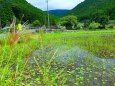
[59, 12]
[89, 8]
[8, 8]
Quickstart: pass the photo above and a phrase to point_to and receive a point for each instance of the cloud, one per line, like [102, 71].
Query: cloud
[55, 4]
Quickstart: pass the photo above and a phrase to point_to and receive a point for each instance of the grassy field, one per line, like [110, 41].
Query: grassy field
[16, 51]
[100, 43]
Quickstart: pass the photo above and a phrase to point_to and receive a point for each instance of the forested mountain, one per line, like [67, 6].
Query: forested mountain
[8, 8]
[91, 8]
[59, 12]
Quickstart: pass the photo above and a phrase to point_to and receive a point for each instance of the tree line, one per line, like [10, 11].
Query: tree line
[18, 8]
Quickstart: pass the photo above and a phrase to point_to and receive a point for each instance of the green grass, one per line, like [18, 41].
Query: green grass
[12, 61]
[15, 69]
[100, 43]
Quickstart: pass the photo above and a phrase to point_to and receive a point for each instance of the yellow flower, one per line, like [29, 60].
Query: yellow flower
[19, 27]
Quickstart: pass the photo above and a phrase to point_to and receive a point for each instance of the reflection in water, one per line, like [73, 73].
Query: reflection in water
[64, 54]
[92, 70]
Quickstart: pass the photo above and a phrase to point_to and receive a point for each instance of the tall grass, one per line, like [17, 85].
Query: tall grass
[13, 54]
[17, 68]
[100, 43]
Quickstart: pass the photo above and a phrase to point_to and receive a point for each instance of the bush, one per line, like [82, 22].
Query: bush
[102, 19]
[69, 21]
[87, 23]
[80, 26]
[110, 26]
[36, 23]
[94, 25]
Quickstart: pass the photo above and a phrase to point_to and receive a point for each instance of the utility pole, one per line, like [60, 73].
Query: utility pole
[48, 21]
[0, 22]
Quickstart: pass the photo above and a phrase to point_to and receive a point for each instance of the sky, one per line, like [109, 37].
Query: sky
[55, 4]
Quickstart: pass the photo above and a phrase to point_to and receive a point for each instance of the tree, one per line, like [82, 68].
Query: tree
[102, 19]
[69, 21]
[111, 13]
[80, 26]
[36, 23]
[5, 12]
[94, 25]
[8, 8]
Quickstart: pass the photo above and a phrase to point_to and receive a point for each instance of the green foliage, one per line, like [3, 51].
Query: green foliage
[18, 8]
[98, 18]
[36, 23]
[93, 41]
[18, 67]
[5, 12]
[80, 26]
[86, 9]
[111, 13]
[69, 21]
[94, 25]
[102, 19]
[110, 26]
[86, 23]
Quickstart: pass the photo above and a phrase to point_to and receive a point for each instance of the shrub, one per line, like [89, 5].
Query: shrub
[87, 23]
[94, 25]
[102, 19]
[36, 23]
[110, 26]
[69, 21]
[80, 26]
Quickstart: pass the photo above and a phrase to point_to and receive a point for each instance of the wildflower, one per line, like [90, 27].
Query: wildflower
[19, 27]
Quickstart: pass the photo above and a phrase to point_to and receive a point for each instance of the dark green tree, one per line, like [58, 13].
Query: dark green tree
[87, 8]
[8, 8]
[69, 21]
[102, 19]
[36, 23]
[111, 13]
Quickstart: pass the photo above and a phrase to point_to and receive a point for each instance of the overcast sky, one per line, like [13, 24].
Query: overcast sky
[55, 4]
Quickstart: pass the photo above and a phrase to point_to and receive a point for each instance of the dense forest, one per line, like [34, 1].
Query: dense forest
[90, 8]
[8, 8]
